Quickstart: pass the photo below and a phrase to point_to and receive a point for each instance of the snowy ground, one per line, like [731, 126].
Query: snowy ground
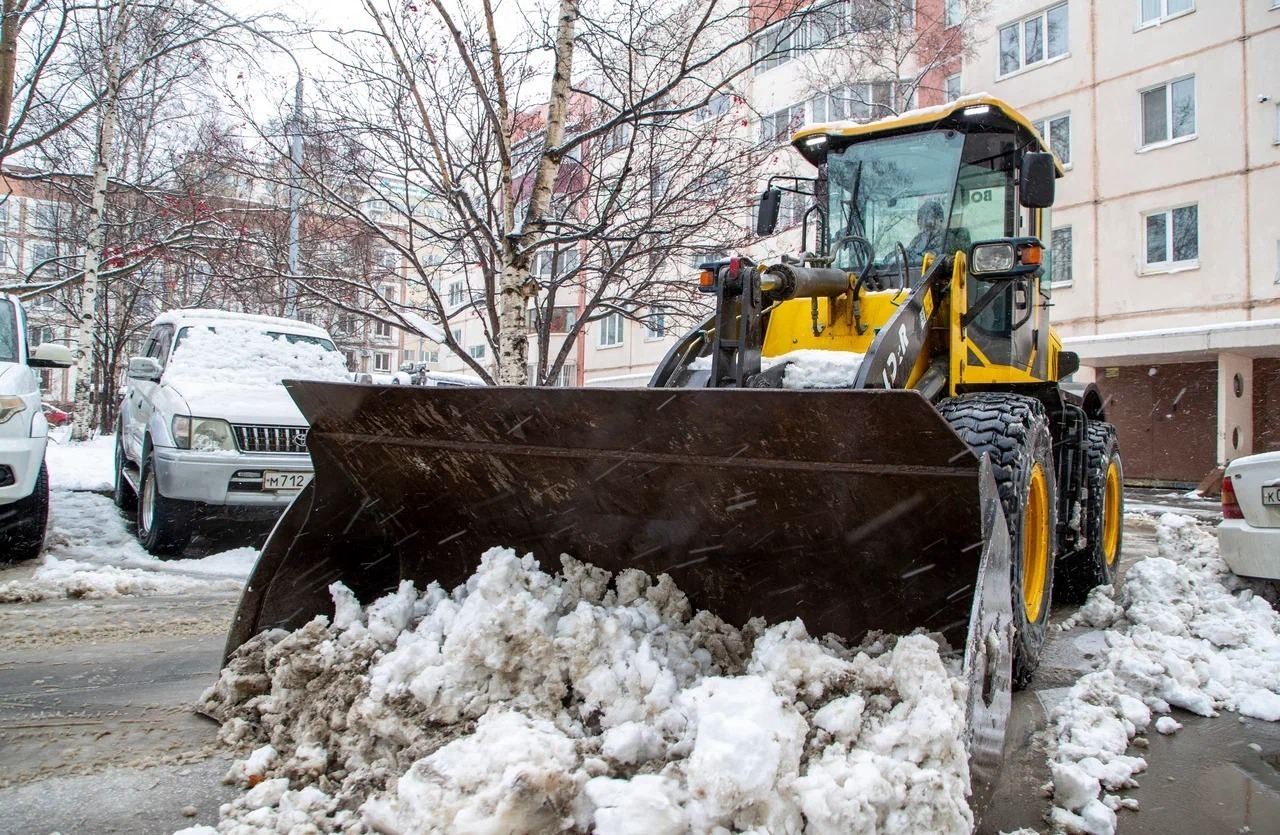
[556, 703]
[90, 552]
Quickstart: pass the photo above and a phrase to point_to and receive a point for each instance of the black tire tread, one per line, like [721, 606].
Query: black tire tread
[1086, 568]
[1004, 427]
[23, 523]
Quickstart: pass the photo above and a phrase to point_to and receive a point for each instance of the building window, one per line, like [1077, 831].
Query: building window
[954, 12]
[457, 335]
[618, 137]
[387, 260]
[611, 330]
[548, 264]
[408, 355]
[381, 361]
[717, 105]
[1169, 111]
[381, 329]
[655, 325]
[455, 291]
[860, 102]
[1056, 130]
[1060, 253]
[1154, 11]
[704, 256]
[1031, 40]
[476, 351]
[951, 87]
[562, 318]
[1173, 237]
[4, 212]
[351, 360]
[773, 47]
[4, 254]
[431, 356]
[778, 127]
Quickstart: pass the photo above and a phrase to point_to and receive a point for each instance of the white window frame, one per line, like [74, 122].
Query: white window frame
[1021, 25]
[947, 86]
[1164, 16]
[477, 352]
[1044, 128]
[1143, 145]
[457, 335]
[717, 104]
[611, 333]
[795, 117]
[658, 318]
[4, 211]
[455, 294]
[953, 13]
[431, 356]
[381, 329]
[382, 361]
[1169, 266]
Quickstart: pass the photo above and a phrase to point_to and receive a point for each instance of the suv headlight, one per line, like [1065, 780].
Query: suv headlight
[10, 406]
[203, 434]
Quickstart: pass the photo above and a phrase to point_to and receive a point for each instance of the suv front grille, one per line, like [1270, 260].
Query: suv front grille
[271, 438]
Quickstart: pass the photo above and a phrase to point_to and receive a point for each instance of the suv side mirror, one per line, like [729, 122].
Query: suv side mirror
[51, 355]
[1035, 180]
[145, 368]
[767, 217]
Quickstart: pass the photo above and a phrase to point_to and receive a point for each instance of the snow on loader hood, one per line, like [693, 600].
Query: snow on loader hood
[529, 702]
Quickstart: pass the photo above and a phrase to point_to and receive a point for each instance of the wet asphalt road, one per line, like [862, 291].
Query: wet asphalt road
[97, 732]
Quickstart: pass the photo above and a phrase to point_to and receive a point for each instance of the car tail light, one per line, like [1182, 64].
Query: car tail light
[1230, 507]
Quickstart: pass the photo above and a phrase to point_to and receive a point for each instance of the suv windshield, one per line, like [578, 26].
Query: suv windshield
[8, 332]
[893, 192]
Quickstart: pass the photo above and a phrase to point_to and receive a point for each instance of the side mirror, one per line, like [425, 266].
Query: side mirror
[1068, 363]
[1036, 180]
[767, 217]
[51, 355]
[145, 368]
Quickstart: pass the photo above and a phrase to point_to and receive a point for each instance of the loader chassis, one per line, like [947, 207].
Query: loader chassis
[942, 489]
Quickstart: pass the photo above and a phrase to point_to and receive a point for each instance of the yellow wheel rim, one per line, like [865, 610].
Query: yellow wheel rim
[1111, 514]
[1035, 544]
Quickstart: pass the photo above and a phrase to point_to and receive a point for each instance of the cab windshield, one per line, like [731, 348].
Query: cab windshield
[895, 194]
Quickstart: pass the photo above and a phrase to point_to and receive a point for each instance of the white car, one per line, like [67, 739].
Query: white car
[206, 426]
[24, 433]
[1249, 535]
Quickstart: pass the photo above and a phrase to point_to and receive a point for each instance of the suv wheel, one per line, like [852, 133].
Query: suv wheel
[22, 523]
[164, 525]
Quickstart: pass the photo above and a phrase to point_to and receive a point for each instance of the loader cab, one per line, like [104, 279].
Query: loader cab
[940, 183]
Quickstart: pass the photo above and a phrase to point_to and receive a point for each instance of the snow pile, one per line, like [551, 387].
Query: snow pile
[89, 465]
[245, 355]
[1186, 633]
[89, 553]
[807, 369]
[526, 702]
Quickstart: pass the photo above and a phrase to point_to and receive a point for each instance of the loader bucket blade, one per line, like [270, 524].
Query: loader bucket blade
[854, 510]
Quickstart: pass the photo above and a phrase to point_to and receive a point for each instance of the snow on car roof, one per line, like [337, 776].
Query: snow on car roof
[200, 314]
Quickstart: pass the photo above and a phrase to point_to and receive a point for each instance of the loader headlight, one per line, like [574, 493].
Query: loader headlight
[203, 434]
[10, 406]
[992, 258]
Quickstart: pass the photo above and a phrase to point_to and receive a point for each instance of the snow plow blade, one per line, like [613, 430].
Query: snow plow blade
[853, 510]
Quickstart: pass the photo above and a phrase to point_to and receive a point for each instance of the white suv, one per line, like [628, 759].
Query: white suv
[24, 432]
[206, 428]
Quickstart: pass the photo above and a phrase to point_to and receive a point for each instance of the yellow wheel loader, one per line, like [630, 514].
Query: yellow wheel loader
[943, 486]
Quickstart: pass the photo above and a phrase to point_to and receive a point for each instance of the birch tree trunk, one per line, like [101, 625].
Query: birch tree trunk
[13, 10]
[84, 421]
[516, 288]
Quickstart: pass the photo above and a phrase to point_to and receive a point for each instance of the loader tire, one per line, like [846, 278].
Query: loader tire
[165, 525]
[23, 523]
[1102, 516]
[1014, 432]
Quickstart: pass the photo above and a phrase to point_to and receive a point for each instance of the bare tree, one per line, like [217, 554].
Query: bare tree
[576, 161]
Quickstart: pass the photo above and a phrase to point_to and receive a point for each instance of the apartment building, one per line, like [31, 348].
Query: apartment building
[1166, 230]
